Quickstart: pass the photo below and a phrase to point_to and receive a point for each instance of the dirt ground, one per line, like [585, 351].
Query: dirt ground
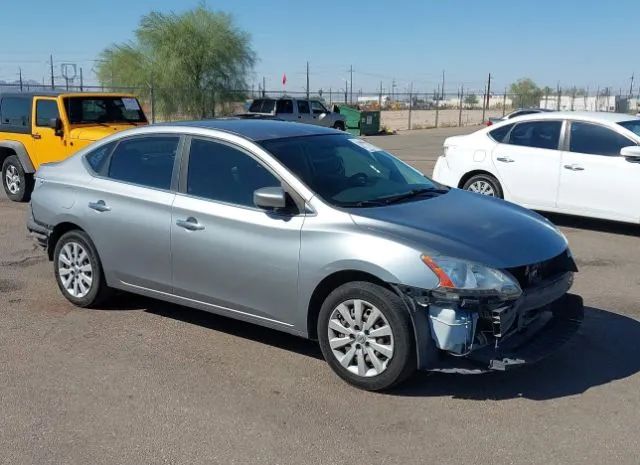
[398, 120]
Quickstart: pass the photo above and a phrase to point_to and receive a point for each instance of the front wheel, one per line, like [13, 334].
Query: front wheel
[366, 336]
[15, 181]
[338, 125]
[484, 184]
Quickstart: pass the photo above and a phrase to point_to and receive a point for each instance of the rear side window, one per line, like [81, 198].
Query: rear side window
[98, 158]
[537, 134]
[262, 105]
[223, 173]
[303, 106]
[45, 111]
[596, 140]
[15, 111]
[147, 161]
[284, 106]
[500, 133]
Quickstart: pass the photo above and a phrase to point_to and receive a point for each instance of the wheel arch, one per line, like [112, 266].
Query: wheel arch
[328, 285]
[12, 147]
[58, 231]
[472, 173]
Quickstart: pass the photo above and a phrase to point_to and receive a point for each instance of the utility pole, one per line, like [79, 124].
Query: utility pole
[307, 80]
[53, 84]
[263, 86]
[631, 87]
[504, 102]
[393, 90]
[351, 85]
[442, 85]
[81, 81]
[380, 97]
[20, 72]
[437, 106]
[488, 90]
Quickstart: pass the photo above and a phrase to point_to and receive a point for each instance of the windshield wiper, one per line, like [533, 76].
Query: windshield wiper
[362, 203]
[423, 192]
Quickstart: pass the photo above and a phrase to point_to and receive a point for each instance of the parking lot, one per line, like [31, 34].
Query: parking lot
[149, 382]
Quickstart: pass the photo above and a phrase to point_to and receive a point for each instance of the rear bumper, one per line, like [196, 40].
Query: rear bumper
[530, 345]
[443, 174]
[38, 231]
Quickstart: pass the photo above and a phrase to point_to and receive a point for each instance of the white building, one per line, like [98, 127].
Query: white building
[584, 103]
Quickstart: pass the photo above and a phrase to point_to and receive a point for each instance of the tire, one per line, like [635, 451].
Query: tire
[339, 125]
[484, 184]
[393, 366]
[70, 263]
[16, 183]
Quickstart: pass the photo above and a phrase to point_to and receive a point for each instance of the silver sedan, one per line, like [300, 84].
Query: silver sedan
[313, 232]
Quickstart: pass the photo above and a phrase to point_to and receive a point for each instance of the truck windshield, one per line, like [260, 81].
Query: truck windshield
[349, 172]
[103, 110]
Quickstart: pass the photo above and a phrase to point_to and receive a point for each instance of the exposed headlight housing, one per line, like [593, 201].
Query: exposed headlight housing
[462, 279]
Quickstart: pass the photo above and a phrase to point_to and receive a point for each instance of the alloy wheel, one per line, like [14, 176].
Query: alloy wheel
[482, 187]
[361, 338]
[12, 179]
[75, 269]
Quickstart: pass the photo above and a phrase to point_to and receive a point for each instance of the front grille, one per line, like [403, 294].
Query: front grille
[531, 275]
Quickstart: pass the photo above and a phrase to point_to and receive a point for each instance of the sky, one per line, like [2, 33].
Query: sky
[584, 43]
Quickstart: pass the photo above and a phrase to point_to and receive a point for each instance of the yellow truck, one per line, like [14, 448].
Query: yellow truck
[41, 127]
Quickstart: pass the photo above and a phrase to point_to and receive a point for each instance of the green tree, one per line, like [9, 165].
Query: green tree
[192, 60]
[471, 100]
[525, 93]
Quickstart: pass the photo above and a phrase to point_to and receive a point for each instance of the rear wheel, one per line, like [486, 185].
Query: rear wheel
[338, 125]
[484, 184]
[78, 270]
[366, 336]
[16, 183]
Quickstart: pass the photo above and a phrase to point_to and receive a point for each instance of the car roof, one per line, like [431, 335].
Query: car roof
[256, 130]
[57, 93]
[577, 115]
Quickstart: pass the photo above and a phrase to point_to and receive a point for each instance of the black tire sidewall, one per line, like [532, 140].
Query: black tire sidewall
[403, 362]
[98, 284]
[495, 184]
[339, 126]
[23, 194]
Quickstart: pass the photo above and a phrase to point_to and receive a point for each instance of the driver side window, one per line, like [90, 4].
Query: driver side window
[317, 108]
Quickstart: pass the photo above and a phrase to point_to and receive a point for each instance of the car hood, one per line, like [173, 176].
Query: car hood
[94, 133]
[468, 226]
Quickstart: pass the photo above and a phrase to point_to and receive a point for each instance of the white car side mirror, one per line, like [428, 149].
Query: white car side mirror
[631, 151]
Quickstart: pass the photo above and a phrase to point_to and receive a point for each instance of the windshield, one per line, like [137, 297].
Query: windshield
[346, 171]
[103, 110]
[633, 126]
[262, 105]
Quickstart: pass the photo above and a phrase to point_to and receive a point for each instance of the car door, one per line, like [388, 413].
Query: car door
[528, 162]
[595, 179]
[49, 145]
[227, 253]
[319, 113]
[128, 209]
[304, 112]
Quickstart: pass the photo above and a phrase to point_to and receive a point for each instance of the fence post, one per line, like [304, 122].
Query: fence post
[460, 106]
[152, 103]
[504, 102]
[484, 106]
[437, 105]
[410, 103]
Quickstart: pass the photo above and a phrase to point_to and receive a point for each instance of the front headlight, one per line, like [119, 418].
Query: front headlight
[460, 278]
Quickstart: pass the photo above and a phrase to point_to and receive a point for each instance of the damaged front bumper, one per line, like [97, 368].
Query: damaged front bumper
[494, 336]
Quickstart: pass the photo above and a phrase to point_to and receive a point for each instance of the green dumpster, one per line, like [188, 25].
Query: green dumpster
[361, 123]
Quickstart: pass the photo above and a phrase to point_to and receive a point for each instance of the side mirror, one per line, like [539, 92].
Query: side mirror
[270, 198]
[56, 125]
[631, 153]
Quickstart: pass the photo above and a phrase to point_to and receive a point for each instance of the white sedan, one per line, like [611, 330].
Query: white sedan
[585, 164]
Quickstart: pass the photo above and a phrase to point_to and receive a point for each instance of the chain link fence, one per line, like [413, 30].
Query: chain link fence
[399, 111]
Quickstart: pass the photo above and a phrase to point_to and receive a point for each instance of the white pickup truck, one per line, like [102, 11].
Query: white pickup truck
[294, 109]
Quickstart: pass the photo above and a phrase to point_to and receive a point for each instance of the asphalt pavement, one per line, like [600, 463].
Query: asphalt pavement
[143, 381]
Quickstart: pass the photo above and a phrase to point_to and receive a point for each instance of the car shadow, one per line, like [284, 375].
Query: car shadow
[593, 224]
[604, 350]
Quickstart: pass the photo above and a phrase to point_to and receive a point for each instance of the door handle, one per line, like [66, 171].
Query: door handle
[190, 224]
[35, 135]
[505, 159]
[574, 167]
[99, 206]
